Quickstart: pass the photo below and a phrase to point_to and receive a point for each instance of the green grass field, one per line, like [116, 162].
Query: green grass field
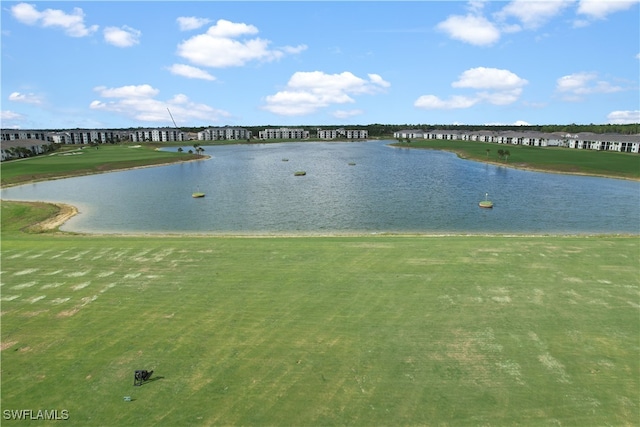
[552, 159]
[370, 331]
[86, 160]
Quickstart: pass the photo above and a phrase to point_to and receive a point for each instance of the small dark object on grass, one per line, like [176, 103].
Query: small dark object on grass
[141, 376]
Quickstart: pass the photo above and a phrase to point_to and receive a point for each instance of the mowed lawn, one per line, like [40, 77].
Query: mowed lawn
[354, 330]
[86, 160]
[553, 159]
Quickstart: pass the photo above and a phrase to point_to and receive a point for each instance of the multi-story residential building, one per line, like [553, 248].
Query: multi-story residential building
[88, 136]
[17, 148]
[283, 133]
[585, 140]
[409, 133]
[224, 133]
[343, 133]
[157, 135]
[13, 134]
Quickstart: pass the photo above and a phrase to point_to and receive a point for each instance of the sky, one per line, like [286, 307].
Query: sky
[122, 64]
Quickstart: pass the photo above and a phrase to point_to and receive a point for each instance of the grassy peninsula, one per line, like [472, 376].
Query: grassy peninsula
[546, 159]
[74, 161]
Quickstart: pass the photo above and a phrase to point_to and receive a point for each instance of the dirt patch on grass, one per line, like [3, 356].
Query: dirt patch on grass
[69, 313]
[7, 344]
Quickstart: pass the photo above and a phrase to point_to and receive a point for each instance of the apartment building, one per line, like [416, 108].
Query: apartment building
[585, 140]
[15, 134]
[283, 133]
[88, 136]
[343, 133]
[157, 135]
[224, 133]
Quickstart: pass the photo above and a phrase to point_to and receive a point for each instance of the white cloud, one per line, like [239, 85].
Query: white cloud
[516, 123]
[307, 92]
[624, 117]
[503, 97]
[137, 102]
[599, 9]
[294, 50]
[476, 29]
[122, 37]
[26, 98]
[190, 72]
[472, 29]
[533, 14]
[375, 78]
[131, 91]
[345, 114]
[432, 102]
[496, 86]
[219, 48]
[501, 87]
[574, 86]
[224, 29]
[187, 23]
[8, 115]
[72, 24]
[489, 78]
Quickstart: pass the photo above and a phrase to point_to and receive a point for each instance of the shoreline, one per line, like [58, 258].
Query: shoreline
[204, 157]
[69, 211]
[517, 166]
[65, 213]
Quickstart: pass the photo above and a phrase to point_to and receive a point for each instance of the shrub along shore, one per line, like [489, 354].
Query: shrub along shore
[358, 330]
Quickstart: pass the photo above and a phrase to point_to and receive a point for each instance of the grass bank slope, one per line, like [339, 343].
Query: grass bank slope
[549, 159]
[447, 331]
[87, 160]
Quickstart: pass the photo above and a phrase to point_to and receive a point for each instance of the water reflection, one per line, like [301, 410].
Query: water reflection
[249, 188]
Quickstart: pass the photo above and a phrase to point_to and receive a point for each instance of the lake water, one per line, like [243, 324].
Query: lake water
[252, 189]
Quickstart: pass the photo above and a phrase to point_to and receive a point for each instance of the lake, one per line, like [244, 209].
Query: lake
[355, 187]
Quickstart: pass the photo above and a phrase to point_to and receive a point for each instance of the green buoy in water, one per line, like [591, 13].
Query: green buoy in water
[486, 203]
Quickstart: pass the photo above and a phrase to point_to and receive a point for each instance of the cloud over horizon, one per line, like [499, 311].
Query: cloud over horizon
[138, 102]
[307, 92]
[494, 86]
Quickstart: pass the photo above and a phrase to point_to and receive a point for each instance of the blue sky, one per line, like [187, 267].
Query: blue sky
[123, 64]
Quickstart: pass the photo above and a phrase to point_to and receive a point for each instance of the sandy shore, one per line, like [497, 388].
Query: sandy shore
[66, 212]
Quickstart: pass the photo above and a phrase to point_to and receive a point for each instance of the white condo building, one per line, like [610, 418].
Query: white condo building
[224, 133]
[157, 135]
[283, 133]
[343, 133]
